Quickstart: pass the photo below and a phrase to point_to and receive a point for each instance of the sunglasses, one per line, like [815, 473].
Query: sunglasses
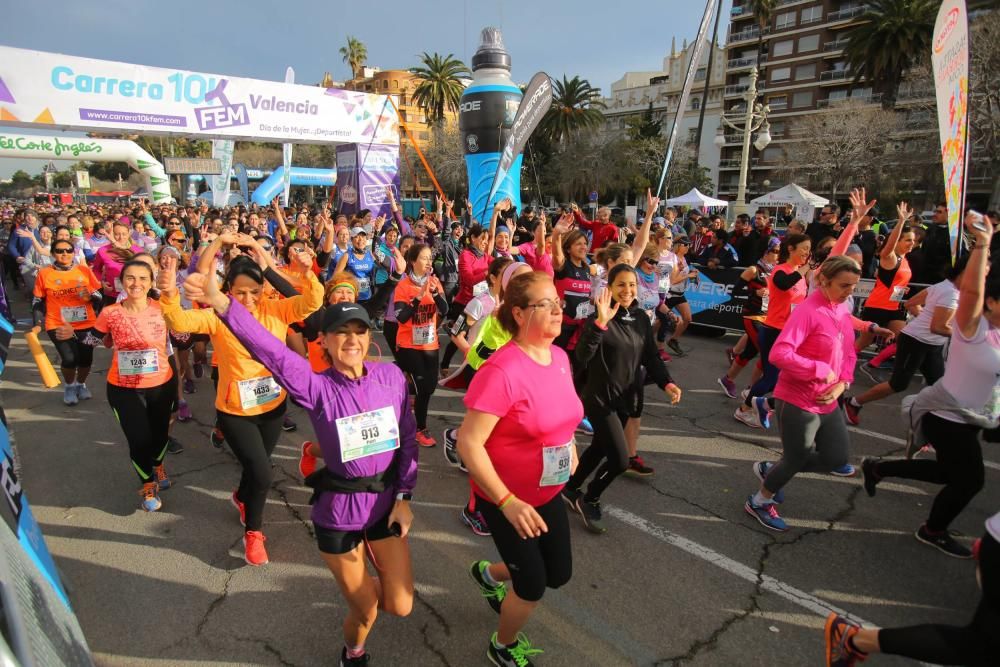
[176, 241]
[63, 251]
[648, 260]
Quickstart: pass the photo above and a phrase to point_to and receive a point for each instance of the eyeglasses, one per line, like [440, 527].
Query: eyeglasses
[176, 241]
[555, 307]
[63, 251]
[648, 260]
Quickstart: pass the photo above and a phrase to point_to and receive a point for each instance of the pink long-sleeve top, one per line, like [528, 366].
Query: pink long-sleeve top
[818, 338]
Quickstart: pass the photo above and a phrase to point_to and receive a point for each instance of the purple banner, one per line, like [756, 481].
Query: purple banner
[378, 168]
[347, 179]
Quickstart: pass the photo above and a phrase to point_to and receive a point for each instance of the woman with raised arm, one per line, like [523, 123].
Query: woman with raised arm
[365, 429]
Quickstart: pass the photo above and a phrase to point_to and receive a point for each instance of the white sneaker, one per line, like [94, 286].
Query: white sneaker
[69, 394]
[748, 417]
[82, 393]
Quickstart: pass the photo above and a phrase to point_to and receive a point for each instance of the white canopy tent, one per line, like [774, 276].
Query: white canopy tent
[696, 199]
[805, 202]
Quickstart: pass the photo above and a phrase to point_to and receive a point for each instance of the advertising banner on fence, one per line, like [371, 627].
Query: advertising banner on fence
[950, 59]
[71, 93]
[378, 167]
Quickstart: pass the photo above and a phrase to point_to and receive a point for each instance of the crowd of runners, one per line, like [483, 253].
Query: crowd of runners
[553, 325]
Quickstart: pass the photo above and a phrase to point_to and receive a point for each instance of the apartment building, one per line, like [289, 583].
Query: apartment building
[803, 71]
[632, 94]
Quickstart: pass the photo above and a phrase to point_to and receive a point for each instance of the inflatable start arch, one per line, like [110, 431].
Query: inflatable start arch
[52, 147]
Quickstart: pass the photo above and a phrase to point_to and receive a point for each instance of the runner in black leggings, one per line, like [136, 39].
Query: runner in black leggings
[615, 344]
[977, 643]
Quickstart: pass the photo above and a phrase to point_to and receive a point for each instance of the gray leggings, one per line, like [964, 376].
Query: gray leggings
[810, 443]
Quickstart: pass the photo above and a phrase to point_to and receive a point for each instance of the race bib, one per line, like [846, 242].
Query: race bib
[584, 310]
[763, 303]
[556, 462]
[898, 294]
[138, 362]
[71, 314]
[258, 391]
[425, 334]
[364, 288]
[481, 287]
[367, 434]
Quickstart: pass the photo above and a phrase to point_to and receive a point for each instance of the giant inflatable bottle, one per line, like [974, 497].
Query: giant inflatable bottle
[486, 114]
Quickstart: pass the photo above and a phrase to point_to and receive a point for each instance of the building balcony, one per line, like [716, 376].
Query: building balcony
[865, 99]
[835, 46]
[737, 89]
[835, 75]
[847, 13]
[746, 35]
[740, 12]
[734, 163]
[743, 63]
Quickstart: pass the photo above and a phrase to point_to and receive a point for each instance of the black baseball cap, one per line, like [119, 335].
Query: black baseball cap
[340, 314]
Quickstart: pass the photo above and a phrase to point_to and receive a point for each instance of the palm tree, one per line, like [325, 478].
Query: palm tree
[895, 36]
[354, 54]
[440, 85]
[575, 107]
[763, 11]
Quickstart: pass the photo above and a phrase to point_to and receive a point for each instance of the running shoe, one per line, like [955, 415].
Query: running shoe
[475, 521]
[731, 356]
[766, 515]
[150, 497]
[82, 392]
[761, 468]
[425, 439]
[870, 477]
[162, 480]
[763, 411]
[69, 395]
[744, 394]
[748, 417]
[570, 496]
[593, 519]
[728, 386]
[943, 542]
[852, 412]
[665, 356]
[450, 437]
[174, 445]
[518, 655]
[218, 439]
[189, 387]
[307, 462]
[494, 594]
[675, 347]
[287, 425]
[199, 370]
[359, 661]
[638, 468]
[871, 372]
[585, 426]
[846, 470]
[240, 507]
[184, 412]
[254, 552]
[838, 633]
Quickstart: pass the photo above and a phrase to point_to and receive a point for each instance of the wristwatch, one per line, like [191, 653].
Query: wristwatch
[404, 496]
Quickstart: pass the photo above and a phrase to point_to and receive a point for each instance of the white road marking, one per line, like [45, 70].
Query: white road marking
[768, 583]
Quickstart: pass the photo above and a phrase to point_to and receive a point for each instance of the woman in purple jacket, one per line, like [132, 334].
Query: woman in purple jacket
[366, 431]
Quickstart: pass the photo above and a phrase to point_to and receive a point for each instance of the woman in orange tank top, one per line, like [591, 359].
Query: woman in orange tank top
[892, 279]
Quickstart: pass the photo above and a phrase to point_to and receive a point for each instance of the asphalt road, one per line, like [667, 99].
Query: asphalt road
[682, 576]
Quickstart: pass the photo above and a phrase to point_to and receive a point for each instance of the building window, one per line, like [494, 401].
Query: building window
[771, 154]
[837, 95]
[785, 20]
[808, 43]
[778, 102]
[782, 48]
[807, 71]
[699, 74]
[692, 134]
[395, 84]
[781, 73]
[695, 103]
[385, 84]
[778, 129]
[812, 14]
[802, 99]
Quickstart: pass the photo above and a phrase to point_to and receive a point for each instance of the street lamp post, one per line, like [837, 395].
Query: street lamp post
[748, 121]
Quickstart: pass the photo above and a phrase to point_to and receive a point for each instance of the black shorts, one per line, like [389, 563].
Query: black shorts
[537, 563]
[336, 542]
[882, 317]
[674, 300]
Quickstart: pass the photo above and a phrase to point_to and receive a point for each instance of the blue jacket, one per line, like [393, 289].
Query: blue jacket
[19, 246]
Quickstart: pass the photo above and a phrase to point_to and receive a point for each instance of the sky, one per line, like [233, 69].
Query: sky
[598, 41]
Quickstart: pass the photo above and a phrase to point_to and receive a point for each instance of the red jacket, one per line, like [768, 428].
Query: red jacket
[602, 233]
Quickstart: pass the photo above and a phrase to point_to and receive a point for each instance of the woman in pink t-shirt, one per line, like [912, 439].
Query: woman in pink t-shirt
[517, 443]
